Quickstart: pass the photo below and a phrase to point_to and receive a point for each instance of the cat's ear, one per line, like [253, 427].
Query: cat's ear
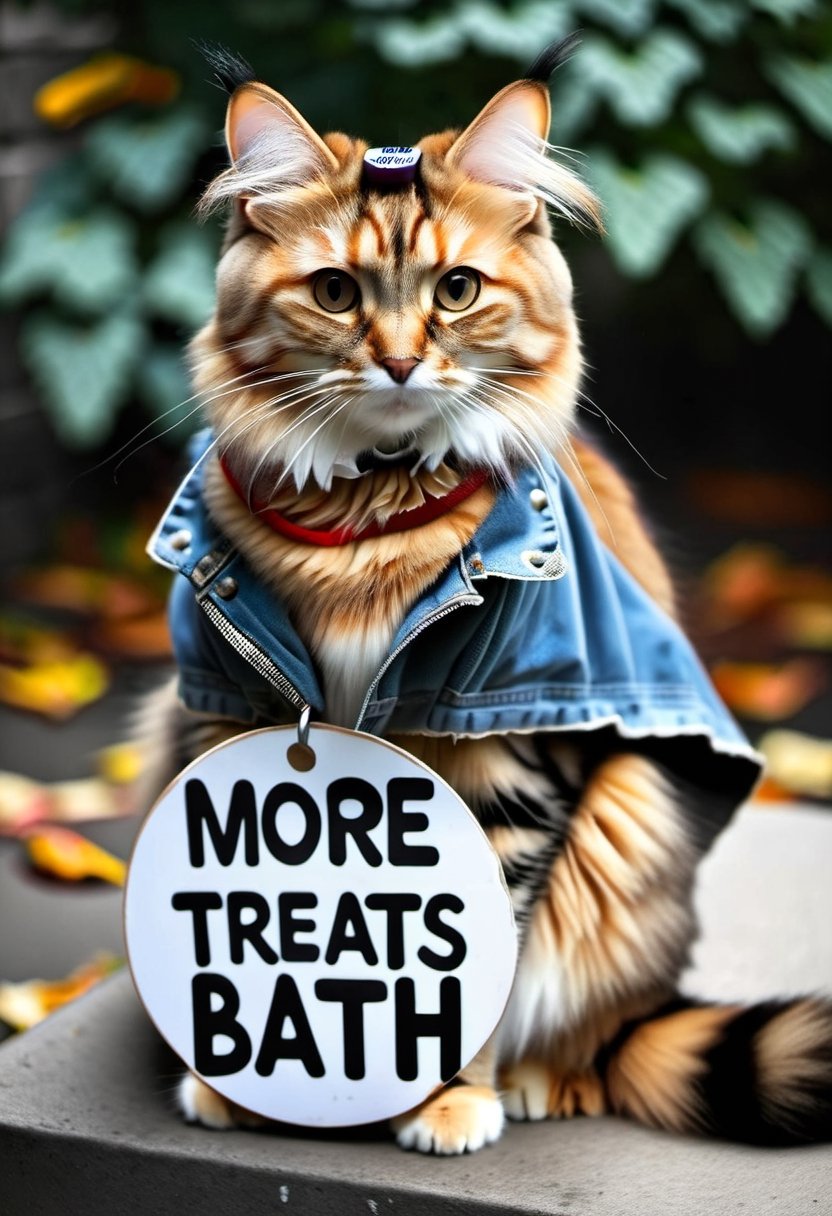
[272, 148]
[506, 145]
[266, 134]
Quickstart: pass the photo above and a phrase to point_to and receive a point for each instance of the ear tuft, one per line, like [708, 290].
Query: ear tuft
[506, 146]
[272, 149]
[229, 68]
[553, 56]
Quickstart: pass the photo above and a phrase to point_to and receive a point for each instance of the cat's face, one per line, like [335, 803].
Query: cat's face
[435, 317]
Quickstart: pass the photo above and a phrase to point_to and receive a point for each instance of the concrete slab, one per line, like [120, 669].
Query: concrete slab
[86, 1123]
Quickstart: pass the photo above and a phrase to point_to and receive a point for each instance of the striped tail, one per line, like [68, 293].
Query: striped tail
[760, 1074]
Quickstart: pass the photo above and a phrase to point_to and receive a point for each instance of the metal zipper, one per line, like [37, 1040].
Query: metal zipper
[451, 606]
[251, 652]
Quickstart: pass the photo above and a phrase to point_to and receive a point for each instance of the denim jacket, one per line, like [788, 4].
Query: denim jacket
[536, 626]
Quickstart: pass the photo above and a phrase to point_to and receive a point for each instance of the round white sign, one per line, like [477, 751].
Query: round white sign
[323, 947]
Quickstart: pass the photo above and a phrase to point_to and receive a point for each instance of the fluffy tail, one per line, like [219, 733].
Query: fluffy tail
[760, 1074]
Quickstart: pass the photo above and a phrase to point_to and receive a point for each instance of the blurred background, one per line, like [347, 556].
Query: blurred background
[706, 312]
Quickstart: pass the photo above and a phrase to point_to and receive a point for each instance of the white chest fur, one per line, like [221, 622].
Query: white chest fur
[349, 661]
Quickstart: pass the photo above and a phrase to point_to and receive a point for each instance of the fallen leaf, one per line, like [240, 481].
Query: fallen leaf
[25, 1004]
[138, 638]
[55, 690]
[768, 691]
[24, 803]
[760, 499]
[799, 762]
[769, 790]
[64, 854]
[806, 625]
[84, 591]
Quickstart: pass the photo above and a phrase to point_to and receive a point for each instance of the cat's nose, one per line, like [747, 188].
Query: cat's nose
[399, 369]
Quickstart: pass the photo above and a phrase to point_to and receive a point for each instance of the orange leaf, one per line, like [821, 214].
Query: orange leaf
[102, 83]
[25, 1004]
[768, 691]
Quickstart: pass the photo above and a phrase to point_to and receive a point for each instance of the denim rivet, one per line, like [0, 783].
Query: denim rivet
[181, 539]
[226, 588]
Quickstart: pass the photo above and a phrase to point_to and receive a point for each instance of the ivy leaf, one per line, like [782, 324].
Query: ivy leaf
[164, 389]
[787, 11]
[819, 283]
[718, 20]
[179, 284]
[629, 18]
[413, 44]
[519, 33]
[82, 371]
[65, 187]
[641, 87]
[756, 265]
[147, 161]
[740, 136]
[86, 263]
[646, 208]
[808, 85]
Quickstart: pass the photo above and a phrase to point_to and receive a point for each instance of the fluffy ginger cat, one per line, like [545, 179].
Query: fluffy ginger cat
[393, 521]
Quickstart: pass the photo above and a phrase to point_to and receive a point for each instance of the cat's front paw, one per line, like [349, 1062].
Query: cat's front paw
[201, 1104]
[457, 1120]
[532, 1090]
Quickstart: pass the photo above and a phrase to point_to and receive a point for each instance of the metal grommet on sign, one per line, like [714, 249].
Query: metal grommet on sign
[538, 499]
[226, 588]
[299, 754]
[180, 540]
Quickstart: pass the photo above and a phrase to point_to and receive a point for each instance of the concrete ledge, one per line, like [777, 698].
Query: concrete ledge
[86, 1124]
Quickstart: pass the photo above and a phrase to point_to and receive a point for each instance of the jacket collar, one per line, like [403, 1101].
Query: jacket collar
[517, 540]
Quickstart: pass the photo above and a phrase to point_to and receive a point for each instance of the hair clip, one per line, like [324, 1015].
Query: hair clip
[391, 166]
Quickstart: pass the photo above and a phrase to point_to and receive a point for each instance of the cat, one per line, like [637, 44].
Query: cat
[383, 352]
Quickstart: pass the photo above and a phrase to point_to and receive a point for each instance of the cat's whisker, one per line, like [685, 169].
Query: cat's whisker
[288, 467]
[307, 412]
[153, 422]
[507, 371]
[564, 444]
[203, 399]
[613, 426]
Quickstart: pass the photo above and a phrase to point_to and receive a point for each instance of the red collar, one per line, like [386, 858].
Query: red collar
[430, 509]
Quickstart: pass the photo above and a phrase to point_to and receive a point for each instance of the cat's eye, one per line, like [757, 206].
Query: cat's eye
[458, 289]
[335, 290]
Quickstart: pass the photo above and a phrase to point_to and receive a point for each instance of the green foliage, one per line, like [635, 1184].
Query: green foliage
[85, 262]
[641, 87]
[808, 86]
[147, 162]
[82, 370]
[627, 18]
[716, 20]
[480, 24]
[819, 283]
[164, 390]
[179, 282]
[647, 207]
[706, 120]
[756, 264]
[742, 135]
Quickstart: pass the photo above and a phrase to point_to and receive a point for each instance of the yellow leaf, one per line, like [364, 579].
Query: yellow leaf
[68, 855]
[102, 83]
